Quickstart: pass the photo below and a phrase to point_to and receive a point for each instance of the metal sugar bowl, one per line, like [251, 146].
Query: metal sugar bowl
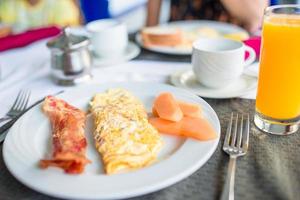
[71, 59]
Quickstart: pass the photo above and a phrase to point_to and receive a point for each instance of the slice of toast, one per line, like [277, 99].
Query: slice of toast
[160, 36]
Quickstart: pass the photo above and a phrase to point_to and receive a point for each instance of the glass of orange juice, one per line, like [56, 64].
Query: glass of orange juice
[278, 94]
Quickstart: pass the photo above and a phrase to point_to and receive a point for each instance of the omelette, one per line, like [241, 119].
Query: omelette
[123, 136]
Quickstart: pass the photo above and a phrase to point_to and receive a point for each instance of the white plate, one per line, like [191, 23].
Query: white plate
[132, 51]
[186, 79]
[223, 28]
[29, 140]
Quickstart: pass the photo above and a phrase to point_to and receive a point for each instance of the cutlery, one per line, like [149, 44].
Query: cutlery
[235, 145]
[5, 127]
[19, 105]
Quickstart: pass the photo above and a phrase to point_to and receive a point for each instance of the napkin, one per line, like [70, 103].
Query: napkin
[254, 42]
[28, 37]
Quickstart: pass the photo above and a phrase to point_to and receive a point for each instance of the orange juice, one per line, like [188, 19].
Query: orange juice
[278, 94]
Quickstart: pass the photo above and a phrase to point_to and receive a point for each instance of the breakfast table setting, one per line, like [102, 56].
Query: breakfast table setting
[237, 133]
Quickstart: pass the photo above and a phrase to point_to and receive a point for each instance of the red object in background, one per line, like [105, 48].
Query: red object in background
[28, 37]
[254, 42]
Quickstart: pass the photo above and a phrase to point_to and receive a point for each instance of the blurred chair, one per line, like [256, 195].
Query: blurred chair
[133, 12]
[276, 2]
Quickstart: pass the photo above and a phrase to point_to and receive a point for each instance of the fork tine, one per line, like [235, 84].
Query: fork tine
[17, 100]
[240, 134]
[246, 135]
[25, 100]
[228, 132]
[233, 139]
[20, 101]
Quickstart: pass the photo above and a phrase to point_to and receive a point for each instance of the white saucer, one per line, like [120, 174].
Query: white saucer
[131, 52]
[187, 80]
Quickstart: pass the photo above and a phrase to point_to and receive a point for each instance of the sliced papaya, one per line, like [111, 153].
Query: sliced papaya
[154, 112]
[197, 128]
[166, 126]
[188, 109]
[167, 107]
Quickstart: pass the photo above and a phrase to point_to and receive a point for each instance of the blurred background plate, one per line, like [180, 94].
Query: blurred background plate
[220, 27]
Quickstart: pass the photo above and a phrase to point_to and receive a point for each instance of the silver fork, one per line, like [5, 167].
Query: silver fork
[235, 145]
[18, 106]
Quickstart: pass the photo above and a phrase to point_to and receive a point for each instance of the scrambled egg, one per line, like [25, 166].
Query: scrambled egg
[122, 133]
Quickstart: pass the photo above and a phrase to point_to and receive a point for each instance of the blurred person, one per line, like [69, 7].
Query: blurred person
[24, 14]
[246, 13]
[94, 9]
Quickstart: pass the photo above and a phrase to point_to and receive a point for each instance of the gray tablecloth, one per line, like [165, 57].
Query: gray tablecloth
[270, 170]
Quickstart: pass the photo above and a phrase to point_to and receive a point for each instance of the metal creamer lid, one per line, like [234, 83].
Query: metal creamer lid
[68, 42]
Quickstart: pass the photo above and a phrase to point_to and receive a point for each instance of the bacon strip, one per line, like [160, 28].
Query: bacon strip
[68, 139]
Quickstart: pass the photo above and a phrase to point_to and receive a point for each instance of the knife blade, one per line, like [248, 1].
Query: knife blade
[4, 128]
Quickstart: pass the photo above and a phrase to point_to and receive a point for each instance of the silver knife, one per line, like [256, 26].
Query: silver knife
[5, 127]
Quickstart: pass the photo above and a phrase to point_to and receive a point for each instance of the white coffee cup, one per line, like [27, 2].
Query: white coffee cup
[109, 37]
[218, 62]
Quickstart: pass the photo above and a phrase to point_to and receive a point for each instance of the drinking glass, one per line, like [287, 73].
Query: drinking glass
[278, 95]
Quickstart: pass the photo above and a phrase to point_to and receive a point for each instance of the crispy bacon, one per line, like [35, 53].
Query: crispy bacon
[68, 139]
